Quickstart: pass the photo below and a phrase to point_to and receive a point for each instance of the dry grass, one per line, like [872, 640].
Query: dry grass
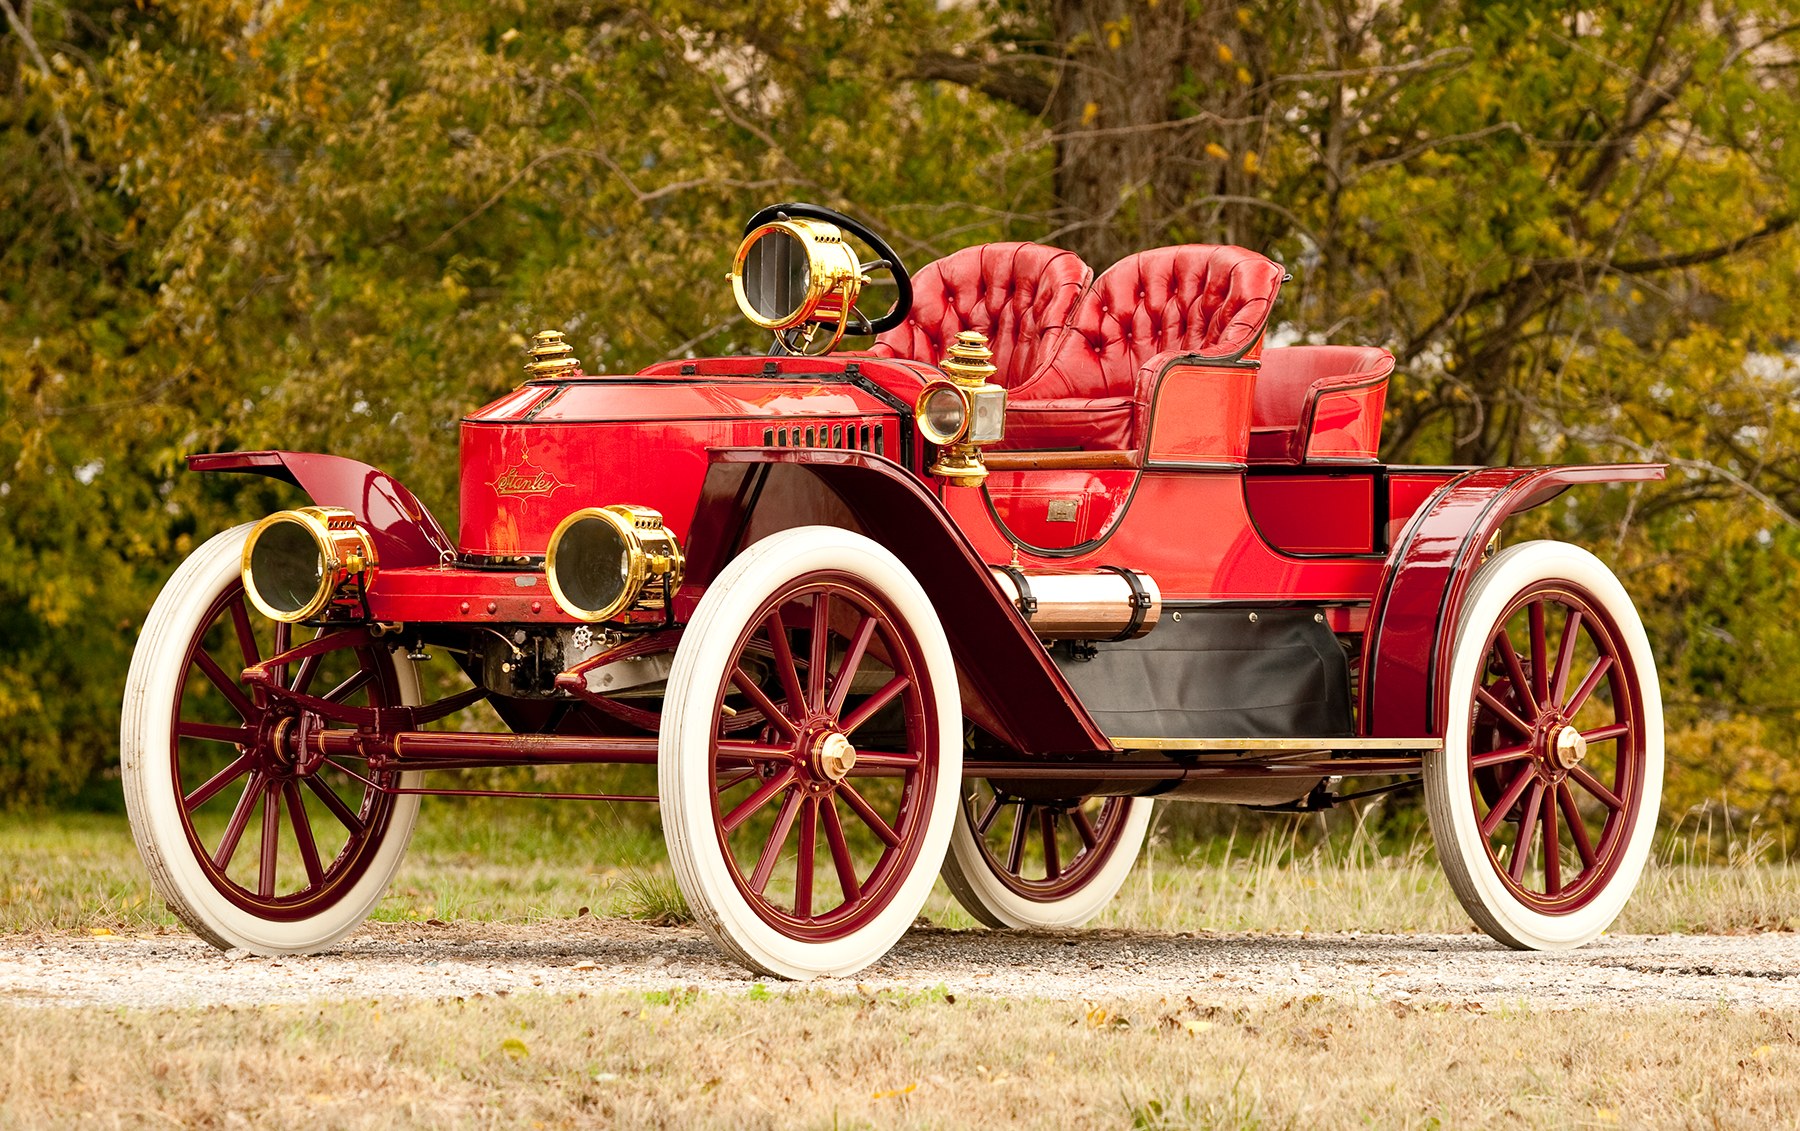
[807, 1059]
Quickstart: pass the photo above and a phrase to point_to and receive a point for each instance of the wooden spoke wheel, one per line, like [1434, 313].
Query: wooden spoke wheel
[252, 844]
[808, 846]
[1545, 797]
[1018, 863]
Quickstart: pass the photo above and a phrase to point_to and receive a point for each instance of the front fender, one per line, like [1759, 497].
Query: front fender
[1010, 684]
[405, 533]
[1412, 622]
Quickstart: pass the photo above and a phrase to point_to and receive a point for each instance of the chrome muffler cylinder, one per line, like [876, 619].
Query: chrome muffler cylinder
[1107, 603]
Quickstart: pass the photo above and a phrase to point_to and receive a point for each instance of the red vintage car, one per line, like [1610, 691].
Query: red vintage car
[965, 601]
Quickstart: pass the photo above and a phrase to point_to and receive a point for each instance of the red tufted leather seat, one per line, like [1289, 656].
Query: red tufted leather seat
[1319, 404]
[1019, 294]
[1207, 301]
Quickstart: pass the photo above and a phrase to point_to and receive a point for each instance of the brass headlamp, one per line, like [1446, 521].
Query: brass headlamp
[300, 563]
[602, 559]
[789, 273]
[962, 413]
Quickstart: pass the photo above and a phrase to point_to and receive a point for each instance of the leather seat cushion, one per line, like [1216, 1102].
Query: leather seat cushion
[1286, 385]
[1020, 295]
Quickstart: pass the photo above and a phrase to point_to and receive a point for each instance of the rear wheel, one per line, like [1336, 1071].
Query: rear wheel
[1018, 863]
[1544, 798]
[250, 848]
[810, 754]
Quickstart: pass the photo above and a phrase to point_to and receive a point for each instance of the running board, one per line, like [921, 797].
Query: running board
[1281, 745]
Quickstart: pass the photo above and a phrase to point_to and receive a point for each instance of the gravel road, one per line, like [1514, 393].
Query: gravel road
[390, 961]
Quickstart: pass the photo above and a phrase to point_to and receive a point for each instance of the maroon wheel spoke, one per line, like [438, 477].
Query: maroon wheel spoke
[214, 732]
[986, 821]
[771, 853]
[1576, 701]
[1015, 852]
[853, 657]
[821, 650]
[1515, 672]
[336, 804]
[1084, 827]
[1502, 755]
[1528, 829]
[749, 805]
[1540, 648]
[1565, 656]
[1507, 800]
[785, 670]
[1552, 849]
[1565, 799]
[1047, 832]
[303, 836]
[1593, 785]
[760, 700]
[271, 842]
[240, 820]
[349, 687]
[738, 779]
[212, 786]
[1493, 703]
[874, 703]
[869, 816]
[840, 853]
[246, 637]
[227, 686]
[303, 675]
[803, 867]
[1606, 733]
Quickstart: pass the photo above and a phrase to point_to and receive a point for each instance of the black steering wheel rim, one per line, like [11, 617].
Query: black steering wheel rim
[857, 324]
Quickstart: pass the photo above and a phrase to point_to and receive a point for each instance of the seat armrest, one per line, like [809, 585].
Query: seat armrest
[1341, 420]
[1193, 411]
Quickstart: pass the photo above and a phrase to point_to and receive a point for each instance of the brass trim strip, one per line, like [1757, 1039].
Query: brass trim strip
[1278, 744]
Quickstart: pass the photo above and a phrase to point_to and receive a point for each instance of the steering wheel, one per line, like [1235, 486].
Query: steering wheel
[858, 323]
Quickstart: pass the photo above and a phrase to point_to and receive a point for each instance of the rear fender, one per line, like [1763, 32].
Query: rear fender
[1010, 685]
[405, 533]
[1413, 620]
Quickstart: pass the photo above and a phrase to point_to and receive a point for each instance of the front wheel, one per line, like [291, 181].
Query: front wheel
[810, 754]
[1543, 801]
[250, 846]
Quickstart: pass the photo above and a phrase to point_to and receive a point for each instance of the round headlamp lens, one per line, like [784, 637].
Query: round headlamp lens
[943, 415]
[287, 568]
[593, 566]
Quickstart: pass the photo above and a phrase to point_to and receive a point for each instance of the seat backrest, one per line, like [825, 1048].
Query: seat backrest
[1206, 299]
[1319, 402]
[1020, 295]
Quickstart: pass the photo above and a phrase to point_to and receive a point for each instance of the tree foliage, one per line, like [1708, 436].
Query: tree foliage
[231, 224]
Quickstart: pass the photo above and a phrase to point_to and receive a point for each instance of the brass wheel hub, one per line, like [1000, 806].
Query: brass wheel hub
[833, 757]
[1567, 747]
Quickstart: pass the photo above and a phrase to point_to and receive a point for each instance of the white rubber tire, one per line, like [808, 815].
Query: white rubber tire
[684, 778]
[152, 795]
[1449, 801]
[969, 874]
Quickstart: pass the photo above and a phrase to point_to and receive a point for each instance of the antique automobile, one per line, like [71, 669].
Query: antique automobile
[965, 601]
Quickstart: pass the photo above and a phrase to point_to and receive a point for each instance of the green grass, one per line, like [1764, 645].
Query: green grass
[524, 861]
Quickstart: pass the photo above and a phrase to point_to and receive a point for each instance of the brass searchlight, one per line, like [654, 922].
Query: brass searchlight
[601, 560]
[300, 563]
[792, 273]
